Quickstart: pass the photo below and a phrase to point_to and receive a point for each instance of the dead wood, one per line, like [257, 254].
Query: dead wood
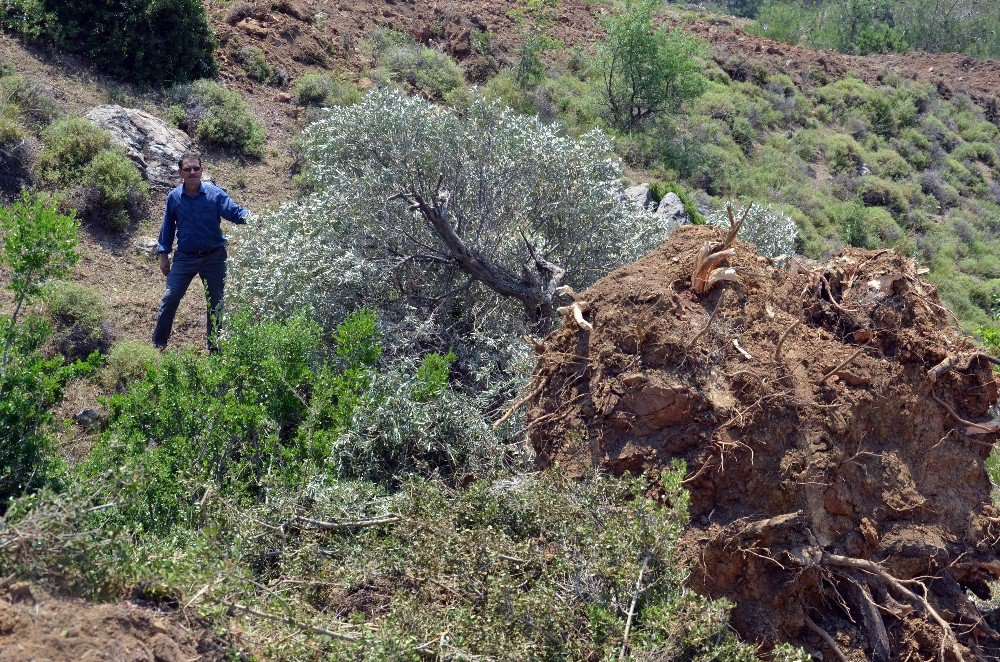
[864, 605]
[843, 365]
[520, 403]
[347, 526]
[288, 620]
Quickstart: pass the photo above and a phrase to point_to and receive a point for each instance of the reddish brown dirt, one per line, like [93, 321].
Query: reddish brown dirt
[35, 626]
[795, 461]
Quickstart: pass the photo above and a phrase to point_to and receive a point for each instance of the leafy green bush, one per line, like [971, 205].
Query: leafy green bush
[33, 103]
[321, 89]
[218, 116]
[147, 41]
[79, 317]
[111, 192]
[99, 180]
[226, 419]
[432, 72]
[69, 146]
[128, 361]
[255, 63]
[38, 244]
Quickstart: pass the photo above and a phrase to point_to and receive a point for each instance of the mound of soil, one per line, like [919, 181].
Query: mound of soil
[36, 626]
[834, 425]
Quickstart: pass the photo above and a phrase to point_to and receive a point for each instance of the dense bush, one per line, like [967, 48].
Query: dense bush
[255, 63]
[424, 69]
[79, 319]
[128, 361]
[218, 116]
[354, 239]
[38, 244]
[95, 178]
[321, 89]
[147, 41]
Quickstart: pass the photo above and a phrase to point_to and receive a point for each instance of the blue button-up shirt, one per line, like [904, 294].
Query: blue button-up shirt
[195, 220]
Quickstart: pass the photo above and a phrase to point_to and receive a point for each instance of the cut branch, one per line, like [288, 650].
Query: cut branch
[347, 526]
[339, 636]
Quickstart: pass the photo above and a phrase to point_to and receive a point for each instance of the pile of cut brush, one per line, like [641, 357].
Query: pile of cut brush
[834, 423]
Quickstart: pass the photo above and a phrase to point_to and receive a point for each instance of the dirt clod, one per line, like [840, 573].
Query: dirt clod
[834, 480]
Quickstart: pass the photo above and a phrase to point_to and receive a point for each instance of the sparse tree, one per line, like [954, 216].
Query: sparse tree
[647, 70]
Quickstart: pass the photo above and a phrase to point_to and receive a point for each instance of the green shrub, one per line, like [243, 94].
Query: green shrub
[432, 72]
[69, 147]
[111, 191]
[647, 70]
[978, 151]
[878, 192]
[218, 116]
[889, 164]
[34, 104]
[128, 361]
[38, 244]
[30, 386]
[147, 41]
[255, 63]
[321, 89]
[99, 181]
[252, 393]
[79, 318]
[844, 154]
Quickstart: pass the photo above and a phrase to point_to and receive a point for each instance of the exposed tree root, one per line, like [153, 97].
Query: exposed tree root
[827, 639]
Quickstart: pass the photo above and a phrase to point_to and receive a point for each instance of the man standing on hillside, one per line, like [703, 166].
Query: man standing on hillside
[193, 214]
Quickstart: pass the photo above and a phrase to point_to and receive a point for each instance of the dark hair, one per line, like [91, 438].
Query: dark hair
[188, 156]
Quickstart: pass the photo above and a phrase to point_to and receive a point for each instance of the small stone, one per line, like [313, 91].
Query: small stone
[283, 97]
[88, 417]
[145, 246]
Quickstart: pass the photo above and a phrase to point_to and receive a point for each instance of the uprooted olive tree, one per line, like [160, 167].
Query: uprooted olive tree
[460, 226]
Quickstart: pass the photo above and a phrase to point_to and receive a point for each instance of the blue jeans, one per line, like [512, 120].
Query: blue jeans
[212, 269]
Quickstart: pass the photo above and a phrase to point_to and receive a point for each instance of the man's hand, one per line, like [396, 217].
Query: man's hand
[164, 264]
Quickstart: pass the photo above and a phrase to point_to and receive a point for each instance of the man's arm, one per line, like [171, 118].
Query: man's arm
[231, 211]
[165, 242]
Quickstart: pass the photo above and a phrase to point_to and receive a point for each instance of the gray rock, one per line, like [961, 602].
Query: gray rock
[88, 418]
[638, 195]
[145, 246]
[150, 143]
[671, 211]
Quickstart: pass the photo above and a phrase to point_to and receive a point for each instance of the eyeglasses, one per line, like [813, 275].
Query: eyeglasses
[192, 169]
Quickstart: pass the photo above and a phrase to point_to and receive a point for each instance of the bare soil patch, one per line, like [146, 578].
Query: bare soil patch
[37, 626]
[834, 424]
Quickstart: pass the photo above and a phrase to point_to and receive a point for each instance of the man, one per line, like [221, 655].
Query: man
[193, 214]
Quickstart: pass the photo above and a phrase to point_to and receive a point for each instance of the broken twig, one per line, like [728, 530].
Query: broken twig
[347, 526]
[781, 340]
[520, 403]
